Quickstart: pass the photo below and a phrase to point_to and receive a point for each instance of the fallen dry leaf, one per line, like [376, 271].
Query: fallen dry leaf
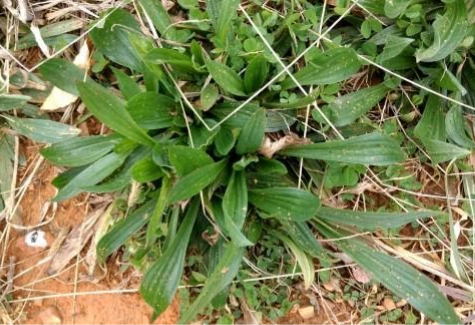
[307, 312]
[269, 147]
[50, 315]
[389, 304]
[59, 98]
[75, 242]
[361, 275]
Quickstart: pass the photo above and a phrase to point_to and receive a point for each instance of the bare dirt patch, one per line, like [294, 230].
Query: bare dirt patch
[72, 296]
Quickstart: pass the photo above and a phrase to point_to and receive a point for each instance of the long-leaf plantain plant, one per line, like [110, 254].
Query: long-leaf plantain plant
[211, 129]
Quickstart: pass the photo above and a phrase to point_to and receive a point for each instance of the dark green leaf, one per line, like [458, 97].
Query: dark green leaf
[161, 280]
[92, 175]
[455, 124]
[432, 122]
[406, 282]
[127, 85]
[222, 13]
[252, 135]
[79, 151]
[371, 220]
[440, 151]
[226, 77]
[123, 230]
[346, 109]
[146, 170]
[113, 40]
[368, 149]
[393, 8]
[333, 66]
[112, 112]
[208, 97]
[63, 74]
[221, 277]
[186, 160]
[285, 203]
[151, 111]
[256, 74]
[235, 199]
[8, 102]
[449, 32]
[196, 181]
[44, 131]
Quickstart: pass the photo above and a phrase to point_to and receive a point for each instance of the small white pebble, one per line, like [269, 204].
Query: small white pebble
[36, 238]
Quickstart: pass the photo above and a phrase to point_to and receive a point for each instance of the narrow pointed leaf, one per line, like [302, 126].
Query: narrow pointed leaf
[256, 74]
[432, 122]
[369, 149]
[112, 112]
[186, 159]
[449, 32]
[346, 109]
[63, 74]
[226, 78]
[406, 282]
[151, 111]
[79, 151]
[285, 203]
[127, 85]
[235, 199]
[196, 181]
[441, 151]
[455, 124]
[44, 131]
[123, 230]
[333, 66]
[252, 135]
[219, 279]
[371, 220]
[113, 40]
[161, 280]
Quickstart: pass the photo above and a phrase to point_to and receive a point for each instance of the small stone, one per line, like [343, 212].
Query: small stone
[401, 303]
[50, 316]
[389, 304]
[307, 312]
[38, 302]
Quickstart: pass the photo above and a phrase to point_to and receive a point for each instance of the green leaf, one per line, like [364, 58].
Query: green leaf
[305, 263]
[301, 234]
[44, 131]
[123, 230]
[235, 198]
[331, 67]
[196, 181]
[63, 74]
[252, 135]
[208, 97]
[112, 112]
[406, 282]
[113, 40]
[174, 58]
[256, 74]
[449, 32]
[228, 226]
[151, 111]
[222, 13]
[8, 102]
[53, 31]
[455, 124]
[393, 8]
[160, 18]
[226, 78]
[219, 279]
[224, 141]
[432, 122]
[394, 46]
[346, 109]
[368, 149]
[146, 170]
[79, 151]
[92, 175]
[127, 85]
[440, 151]
[161, 280]
[185, 159]
[285, 202]
[372, 220]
